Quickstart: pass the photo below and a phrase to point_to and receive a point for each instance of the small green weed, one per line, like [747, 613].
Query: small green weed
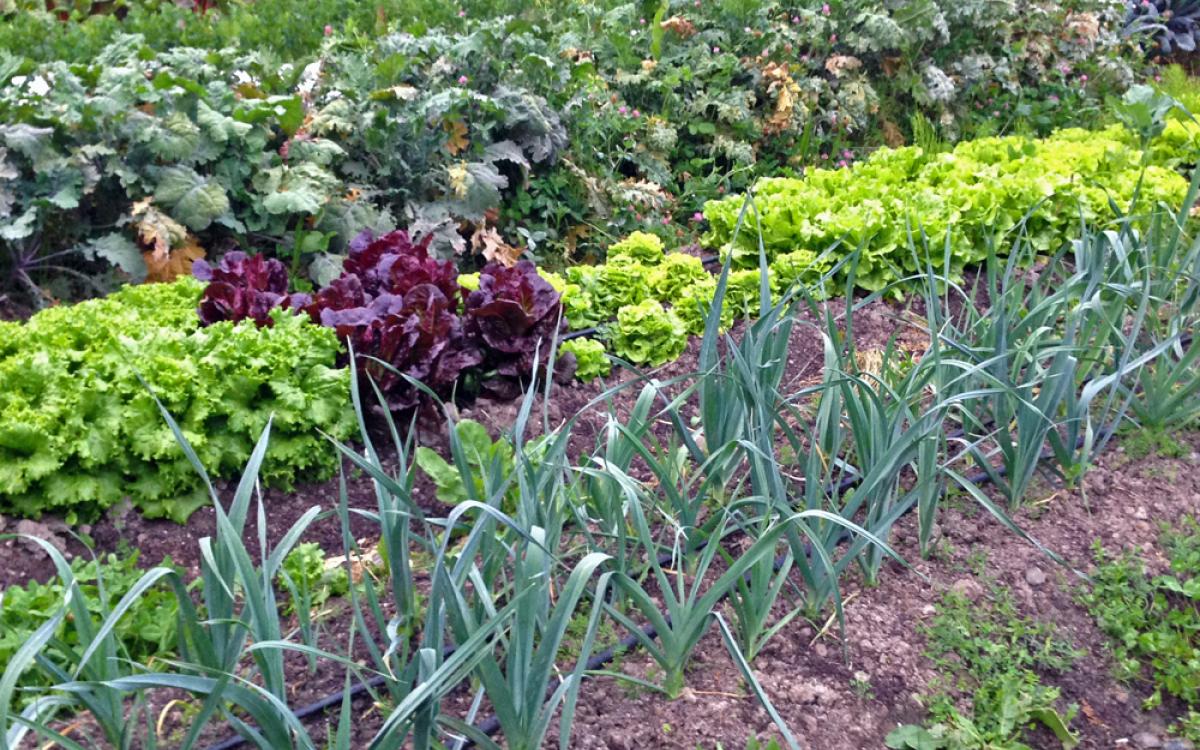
[989, 658]
[1144, 443]
[147, 631]
[1154, 622]
[314, 582]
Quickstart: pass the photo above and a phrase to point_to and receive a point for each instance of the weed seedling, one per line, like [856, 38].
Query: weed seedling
[989, 659]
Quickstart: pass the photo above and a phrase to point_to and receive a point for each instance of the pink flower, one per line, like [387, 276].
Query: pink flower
[842, 164]
[824, 156]
[795, 19]
[635, 113]
[697, 216]
[666, 220]
[462, 80]
[995, 113]
[462, 14]
[642, 21]
[716, 50]
[825, 9]
[1054, 98]
[847, 154]
[833, 38]
[1083, 78]
[328, 30]
[622, 109]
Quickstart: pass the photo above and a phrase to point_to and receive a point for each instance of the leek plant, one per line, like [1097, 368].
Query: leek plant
[516, 684]
[1166, 390]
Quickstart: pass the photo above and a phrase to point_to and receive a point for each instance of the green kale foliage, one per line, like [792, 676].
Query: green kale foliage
[979, 194]
[79, 431]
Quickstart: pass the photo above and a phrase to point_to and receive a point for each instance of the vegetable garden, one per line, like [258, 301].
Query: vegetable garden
[661, 374]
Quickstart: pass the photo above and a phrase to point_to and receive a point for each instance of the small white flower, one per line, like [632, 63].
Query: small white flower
[39, 86]
[19, 81]
[242, 77]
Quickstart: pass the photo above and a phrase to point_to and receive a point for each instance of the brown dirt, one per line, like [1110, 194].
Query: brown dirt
[1121, 504]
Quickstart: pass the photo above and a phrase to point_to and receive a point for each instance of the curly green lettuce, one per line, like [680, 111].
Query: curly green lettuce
[648, 334]
[79, 431]
[590, 360]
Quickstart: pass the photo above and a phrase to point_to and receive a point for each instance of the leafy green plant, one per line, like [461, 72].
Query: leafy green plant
[1153, 621]
[989, 656]
[80, 431]
[648, 334]
[590, 360]
[146, 633]
[639, 247]
[875, 203]
[482, 456]
[309, 579]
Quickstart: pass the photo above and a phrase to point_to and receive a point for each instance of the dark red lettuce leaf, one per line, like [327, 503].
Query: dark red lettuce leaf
[395, 304]
[394, 263]
[516, 314]
[244, 287]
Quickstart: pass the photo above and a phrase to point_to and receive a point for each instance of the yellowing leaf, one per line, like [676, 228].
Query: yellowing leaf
[156, 229]
[460, 179]
[176, 263]
[489, 242]
[456, 136]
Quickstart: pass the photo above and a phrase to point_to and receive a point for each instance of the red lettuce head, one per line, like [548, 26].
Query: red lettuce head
[516, 314]
[244, 287]
[394, 263]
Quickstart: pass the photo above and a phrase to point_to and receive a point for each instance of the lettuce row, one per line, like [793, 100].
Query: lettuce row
[79, 431]
[983, 189]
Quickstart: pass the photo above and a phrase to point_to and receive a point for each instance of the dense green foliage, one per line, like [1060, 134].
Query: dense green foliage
[79, 431]
[648, 334]
[990, 657]
[553, 131]
[979, 194]
[590, 360]
[147, 631]
[1153, 621]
